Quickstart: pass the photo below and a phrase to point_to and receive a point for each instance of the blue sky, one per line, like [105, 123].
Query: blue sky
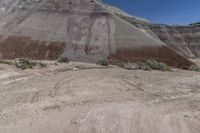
[162, 11]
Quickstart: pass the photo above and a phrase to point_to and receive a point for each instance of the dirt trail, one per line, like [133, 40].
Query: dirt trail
[84, 98]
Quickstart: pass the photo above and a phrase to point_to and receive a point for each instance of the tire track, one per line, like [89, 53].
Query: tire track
[57, 86]
[35, 97]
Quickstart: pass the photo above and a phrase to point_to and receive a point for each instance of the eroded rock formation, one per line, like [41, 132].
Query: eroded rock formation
[82, 30]
[184, 39]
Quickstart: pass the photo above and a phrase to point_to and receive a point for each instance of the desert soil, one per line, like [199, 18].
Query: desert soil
[85, 98]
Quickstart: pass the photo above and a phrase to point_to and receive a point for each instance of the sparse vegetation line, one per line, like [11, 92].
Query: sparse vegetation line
[147, 66]
[24, 63]
[6, 62]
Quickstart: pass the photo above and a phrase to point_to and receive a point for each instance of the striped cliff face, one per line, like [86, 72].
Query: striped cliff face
[183, 39]
[82, 30]
[14, 47]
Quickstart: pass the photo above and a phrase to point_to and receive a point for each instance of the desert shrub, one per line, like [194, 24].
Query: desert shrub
[42, 65]
[194, 68]
[146, 66]
[5, 62]
[24, 63]
[121, 64]
[137, 66]
[155, 65]
[143, 66]
[63, 59]
[103, 63]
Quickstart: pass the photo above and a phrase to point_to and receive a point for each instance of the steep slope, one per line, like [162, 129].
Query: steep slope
[184, 39]
[82, 30]
[191, 35]
[170, 36]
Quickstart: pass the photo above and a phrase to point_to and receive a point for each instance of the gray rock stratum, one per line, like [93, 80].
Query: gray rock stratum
[184, 39]
[82, 30]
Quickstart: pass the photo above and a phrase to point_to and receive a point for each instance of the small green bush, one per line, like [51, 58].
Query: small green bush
[42, 65]
[5, 62]
[63, 59]
[194, 68]
[103, 63]
[143, 66]
[155, 65]
[121, 64]
[24, 63]
[136, 66]
[146, 66]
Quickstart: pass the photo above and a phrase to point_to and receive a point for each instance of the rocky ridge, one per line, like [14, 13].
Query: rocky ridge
[82, 30]
[183, 39]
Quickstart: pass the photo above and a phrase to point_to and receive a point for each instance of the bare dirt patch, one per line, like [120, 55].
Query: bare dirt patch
[87, 98]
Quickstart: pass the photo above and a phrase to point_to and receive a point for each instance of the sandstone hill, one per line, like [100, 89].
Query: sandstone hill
[183, 39]
[82, 30]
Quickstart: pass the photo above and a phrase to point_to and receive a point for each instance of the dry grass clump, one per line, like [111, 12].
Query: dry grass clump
[194, 68]
[146, 66]
[24, 63]
[103, 63]
[6, 62]
[63, 59]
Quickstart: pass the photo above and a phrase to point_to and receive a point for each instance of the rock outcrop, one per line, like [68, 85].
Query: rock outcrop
[82, 30]
[184, 39]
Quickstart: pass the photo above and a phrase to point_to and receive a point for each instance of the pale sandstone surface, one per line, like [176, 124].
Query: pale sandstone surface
[85, 98]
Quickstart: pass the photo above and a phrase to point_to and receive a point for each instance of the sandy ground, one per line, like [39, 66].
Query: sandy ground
[85, 98]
